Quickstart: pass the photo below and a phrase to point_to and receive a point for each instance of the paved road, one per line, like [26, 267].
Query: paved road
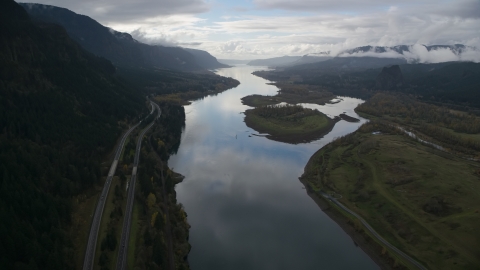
[92, 238]
[381, 239]
[123, 249]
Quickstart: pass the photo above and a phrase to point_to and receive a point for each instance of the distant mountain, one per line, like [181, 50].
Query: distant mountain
[376, 49]
[368, 57]
[120, 48]
[60, 108]
[233, 61]
[205, 59]
[402, 49]
[402, 52]
[417, 53]
[347, 64]
[272, 62]
[311, 58]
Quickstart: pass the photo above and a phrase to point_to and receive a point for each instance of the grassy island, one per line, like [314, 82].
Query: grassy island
[289, 123]
[292, 94]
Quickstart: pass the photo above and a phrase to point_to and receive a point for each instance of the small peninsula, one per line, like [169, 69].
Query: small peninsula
[292, 94]
[289, 123]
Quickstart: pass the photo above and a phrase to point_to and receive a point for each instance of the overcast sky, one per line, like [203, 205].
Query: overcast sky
[248, 29]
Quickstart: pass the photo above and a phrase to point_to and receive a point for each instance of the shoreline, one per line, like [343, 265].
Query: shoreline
[292, 138]
[360, 239]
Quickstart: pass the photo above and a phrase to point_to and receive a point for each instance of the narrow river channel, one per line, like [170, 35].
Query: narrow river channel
[246, 206]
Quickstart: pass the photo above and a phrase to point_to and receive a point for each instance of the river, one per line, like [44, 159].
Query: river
[246, 206]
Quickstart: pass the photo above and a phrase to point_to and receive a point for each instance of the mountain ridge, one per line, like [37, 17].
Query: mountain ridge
[60, 113]
[411, 53]
[121, 48]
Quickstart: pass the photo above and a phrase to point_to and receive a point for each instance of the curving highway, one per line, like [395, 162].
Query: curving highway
[123, 249]
[92, 238]
[381, 239]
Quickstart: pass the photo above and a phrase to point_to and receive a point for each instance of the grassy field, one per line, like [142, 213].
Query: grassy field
[424, 201]
[297, 127]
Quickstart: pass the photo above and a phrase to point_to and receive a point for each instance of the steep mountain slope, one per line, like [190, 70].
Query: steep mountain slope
[205, 59]
[59, 113]
[120, 48]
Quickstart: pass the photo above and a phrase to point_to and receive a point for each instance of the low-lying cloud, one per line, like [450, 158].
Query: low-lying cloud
[281, 27]
[418, 53]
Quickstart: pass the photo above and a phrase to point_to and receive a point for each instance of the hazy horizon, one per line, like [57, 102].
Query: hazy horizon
[259, 29]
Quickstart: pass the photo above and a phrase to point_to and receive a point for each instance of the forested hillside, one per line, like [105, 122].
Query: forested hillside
[60, 108]
[449, 83]
[120, 48]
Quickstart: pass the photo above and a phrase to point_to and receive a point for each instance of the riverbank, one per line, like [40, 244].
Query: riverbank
[359, 237]
[239, 189]
[195, 93]
[160, 230]
[290, 124]
[404, 190]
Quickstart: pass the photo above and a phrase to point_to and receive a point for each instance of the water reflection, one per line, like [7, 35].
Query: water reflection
[242, 195]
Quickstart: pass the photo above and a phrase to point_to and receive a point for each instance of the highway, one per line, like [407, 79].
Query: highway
[92, 238]
[123, 248]
[381, 239]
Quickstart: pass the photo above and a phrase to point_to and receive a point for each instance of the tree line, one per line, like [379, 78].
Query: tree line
[60, 109]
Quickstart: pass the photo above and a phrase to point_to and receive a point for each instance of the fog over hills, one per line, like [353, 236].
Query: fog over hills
[121, 48]
[398, 54]
[262, 29]
[418, 53]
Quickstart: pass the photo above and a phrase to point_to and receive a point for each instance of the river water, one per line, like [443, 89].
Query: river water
[246, 206]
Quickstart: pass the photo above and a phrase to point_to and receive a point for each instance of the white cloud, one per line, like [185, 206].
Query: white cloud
[172, 30]
[420, 54]
[457, 8]
[388, 54]
[123, 11]
[297, 35]
[305, 26]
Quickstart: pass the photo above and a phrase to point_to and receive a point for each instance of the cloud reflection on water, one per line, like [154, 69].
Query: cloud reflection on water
[242, 195]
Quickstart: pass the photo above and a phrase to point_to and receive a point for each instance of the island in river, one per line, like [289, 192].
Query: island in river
[289, 123]
[292, 94]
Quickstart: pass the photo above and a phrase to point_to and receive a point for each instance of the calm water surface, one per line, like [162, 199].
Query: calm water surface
[246, 206]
